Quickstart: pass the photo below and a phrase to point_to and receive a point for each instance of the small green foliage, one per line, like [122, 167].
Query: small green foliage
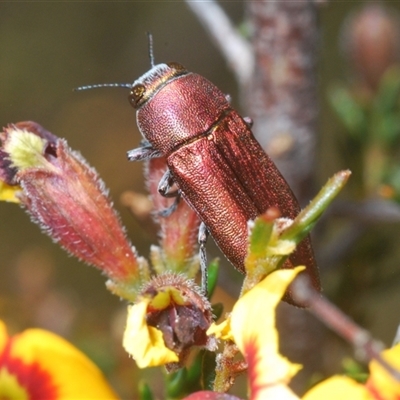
[354, 370]
[260, 235]
[372, 122]
[145, 392]
[212, 269]
[176, 383]
[208, 370]
[349, 110]
[307, 218]
[187, 380]
[273, 240]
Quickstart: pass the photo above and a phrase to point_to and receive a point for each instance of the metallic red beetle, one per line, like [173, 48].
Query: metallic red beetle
[212, 156]
[219, 167]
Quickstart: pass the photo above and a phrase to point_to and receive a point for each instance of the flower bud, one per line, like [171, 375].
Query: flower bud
[371, 42]
[66, 197]
[178, 231]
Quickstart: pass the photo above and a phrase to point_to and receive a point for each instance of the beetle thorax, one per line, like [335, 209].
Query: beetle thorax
[182, 109]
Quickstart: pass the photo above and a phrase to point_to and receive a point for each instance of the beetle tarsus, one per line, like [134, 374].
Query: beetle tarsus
[203, 234]
[168, 211]
[144, 152]
[248, 121]
[165, 185]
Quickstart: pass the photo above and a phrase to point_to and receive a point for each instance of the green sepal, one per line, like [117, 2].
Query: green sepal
[186, 380]
[212, 276]
[176, 383]
[208, 369]
[260, 235]
[145, 392]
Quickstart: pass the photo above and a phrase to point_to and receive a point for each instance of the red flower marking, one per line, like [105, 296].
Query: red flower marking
[252, 357]
[37, 382]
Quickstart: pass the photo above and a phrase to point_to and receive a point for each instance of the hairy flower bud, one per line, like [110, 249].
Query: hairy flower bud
[66, 197]
[178, 232]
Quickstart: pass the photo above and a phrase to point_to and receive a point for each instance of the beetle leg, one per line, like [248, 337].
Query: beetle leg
[164, 186]
[203, 234]
[248, 121]
[144, 152]
[168, 211]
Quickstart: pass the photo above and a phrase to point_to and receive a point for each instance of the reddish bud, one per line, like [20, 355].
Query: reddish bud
[178, 231]
[66, 197]
[371, 42]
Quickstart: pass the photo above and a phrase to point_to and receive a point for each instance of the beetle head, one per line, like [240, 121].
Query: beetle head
[153, 80]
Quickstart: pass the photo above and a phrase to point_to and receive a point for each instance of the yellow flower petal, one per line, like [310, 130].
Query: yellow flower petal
[338, 387]
[164, 298]
[275, 392]
[145, 343]
[221, 331]
[8, 192]
[3, 336]
[47, 366]
[253, 328]
[380, 380]
[10, 388]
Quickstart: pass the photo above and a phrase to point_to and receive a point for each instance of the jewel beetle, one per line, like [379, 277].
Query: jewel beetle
[220, 169]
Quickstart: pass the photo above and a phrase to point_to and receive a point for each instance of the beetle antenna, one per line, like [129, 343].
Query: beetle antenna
[100, 85]
[151, 54]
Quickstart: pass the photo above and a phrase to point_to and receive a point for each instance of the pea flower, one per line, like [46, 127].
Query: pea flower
[269, 373]
[66, 197]
[171, 317]
[257, 338]
[37, 364]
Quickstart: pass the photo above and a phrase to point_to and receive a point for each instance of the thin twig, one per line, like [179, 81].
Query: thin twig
[366, 346]
[235, 49]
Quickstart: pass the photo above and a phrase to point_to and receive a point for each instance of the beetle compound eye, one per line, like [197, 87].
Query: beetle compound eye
[176, 66]
[136, 95]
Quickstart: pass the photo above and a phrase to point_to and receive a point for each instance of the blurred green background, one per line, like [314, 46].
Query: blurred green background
[47, 49]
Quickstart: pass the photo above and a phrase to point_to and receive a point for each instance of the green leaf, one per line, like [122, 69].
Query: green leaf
[209, 365]
[260, 236]
[145, 392]
[212, 269]
[387, 129]
[388, 95]
[349, 111]
[307, 218]
[176, 383]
